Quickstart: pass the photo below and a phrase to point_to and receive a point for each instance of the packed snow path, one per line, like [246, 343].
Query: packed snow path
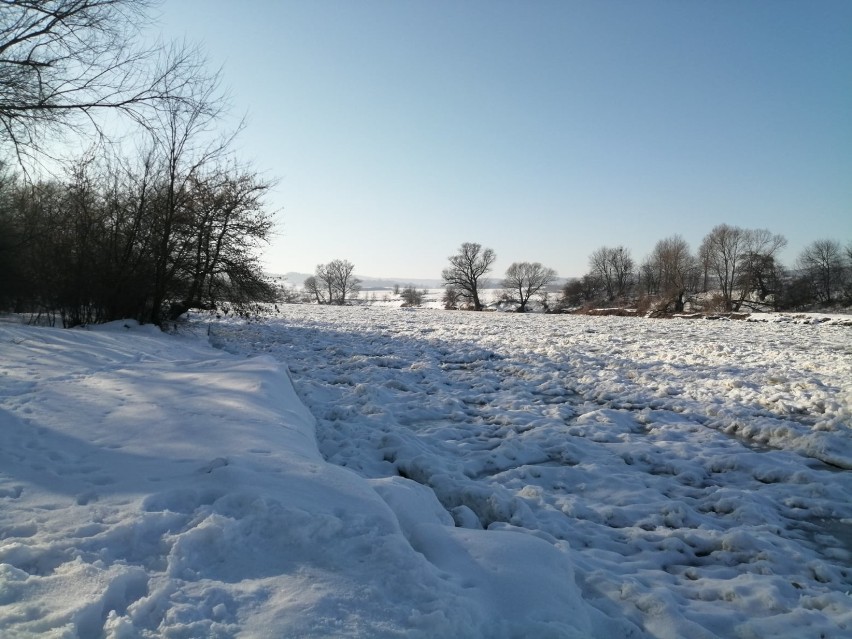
[696, 473]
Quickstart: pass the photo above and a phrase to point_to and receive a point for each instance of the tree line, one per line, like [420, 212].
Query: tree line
[145, 225]
[734, 268]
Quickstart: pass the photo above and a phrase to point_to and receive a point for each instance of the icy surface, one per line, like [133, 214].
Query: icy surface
[444, 474]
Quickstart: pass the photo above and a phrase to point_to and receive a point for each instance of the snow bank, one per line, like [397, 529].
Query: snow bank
[152, 486]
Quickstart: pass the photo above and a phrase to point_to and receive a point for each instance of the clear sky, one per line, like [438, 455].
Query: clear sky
[543, 129]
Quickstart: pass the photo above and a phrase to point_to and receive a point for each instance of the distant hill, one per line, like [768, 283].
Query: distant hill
[381, 283]
[367, 283]
[388, 283]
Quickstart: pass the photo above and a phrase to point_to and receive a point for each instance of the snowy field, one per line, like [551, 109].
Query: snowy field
[427, 474]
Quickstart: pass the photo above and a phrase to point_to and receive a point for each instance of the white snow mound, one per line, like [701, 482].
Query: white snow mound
[152, 486]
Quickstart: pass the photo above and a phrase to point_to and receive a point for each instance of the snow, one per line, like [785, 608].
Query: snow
[383, 472]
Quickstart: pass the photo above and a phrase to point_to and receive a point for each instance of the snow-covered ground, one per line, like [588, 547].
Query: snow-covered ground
[431, 474]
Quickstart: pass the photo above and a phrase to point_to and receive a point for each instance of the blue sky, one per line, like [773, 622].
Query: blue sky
[541, 129]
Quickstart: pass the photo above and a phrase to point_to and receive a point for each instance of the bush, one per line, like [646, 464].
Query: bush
[411, 296]
[451, 298]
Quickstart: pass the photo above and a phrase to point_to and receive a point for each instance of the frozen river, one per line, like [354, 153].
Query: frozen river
[695, 472]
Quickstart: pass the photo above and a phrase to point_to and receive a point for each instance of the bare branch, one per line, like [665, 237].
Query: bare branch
[63, 62]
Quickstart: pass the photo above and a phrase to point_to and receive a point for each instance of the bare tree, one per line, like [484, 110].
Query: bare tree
[334, 283]
[600, 268]
[649, 276]
[622, 268]
[822, 262]
[525, 279]
[759, 272]
[314, 288]
[466, 270]
[228, 223]
[674, 270]
[613, 267]
[62, 62]
[743, 261]
[184, 150]
[722, 251]
[324, 284]
[344, 285]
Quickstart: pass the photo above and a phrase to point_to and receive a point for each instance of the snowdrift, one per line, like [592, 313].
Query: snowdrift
[152, 486]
